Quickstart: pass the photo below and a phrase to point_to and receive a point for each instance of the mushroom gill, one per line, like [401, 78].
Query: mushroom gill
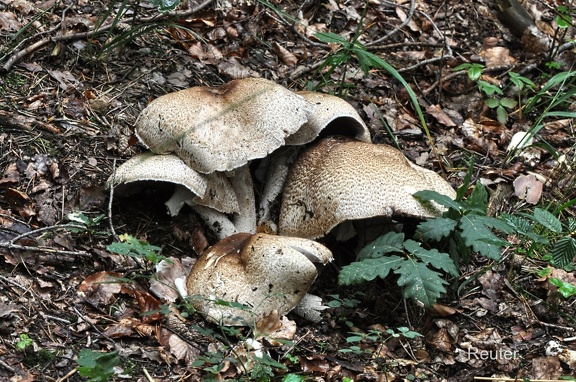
[263, 273]
[339, 179]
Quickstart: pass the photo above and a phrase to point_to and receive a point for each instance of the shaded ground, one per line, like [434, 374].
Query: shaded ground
[65, 121]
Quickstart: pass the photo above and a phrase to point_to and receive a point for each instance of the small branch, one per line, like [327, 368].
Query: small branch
[17, 56]
[397, 28]
[12, 243]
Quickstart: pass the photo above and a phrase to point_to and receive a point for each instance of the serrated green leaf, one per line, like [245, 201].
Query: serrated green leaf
[368, 270]
[459, 251]
[525, 227]
[564, 251]
[438, 260]
[491, 103]
[436, 229]
[97, 365]
[547, 220]
[419, 282]
[508, 102]
[478, 200]
[501, 114]
[389, 242]
[444, 200]
[475, 233]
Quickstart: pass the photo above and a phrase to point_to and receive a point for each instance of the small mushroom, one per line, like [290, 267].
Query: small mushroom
[222, 128]
[212, 196]
[262, 272]
[339, 179]
[331, 115]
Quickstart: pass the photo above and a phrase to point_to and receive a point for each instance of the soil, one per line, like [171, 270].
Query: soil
[67, 113]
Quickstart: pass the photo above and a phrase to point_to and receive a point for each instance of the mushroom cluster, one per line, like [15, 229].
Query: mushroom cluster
[203, 140]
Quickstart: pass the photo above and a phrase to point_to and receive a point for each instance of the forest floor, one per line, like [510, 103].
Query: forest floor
[70, 98]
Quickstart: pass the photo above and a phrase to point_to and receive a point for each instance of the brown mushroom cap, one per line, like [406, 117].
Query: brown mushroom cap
[219, 129]
[340, 179]
[263, 272]
[332, 113]
[213, 190]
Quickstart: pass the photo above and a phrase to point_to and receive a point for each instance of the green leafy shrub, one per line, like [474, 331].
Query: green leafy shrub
[130, 246]
[97, 366]
[421, 268]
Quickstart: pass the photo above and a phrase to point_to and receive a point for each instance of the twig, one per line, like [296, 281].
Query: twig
[70, 373]
[397, 28]
[110, 199]
[12, 243]
[7, 367]
[81, 316]
[17, 56]
[148, 376]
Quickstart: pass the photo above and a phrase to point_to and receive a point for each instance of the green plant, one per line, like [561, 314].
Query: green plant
[130, 246]
[496, 99]
[376, 336]
[463, 228]
[552, 101]
[544, 233]
[353, 50]
[24, 342]
[566, 289]
[97, 366]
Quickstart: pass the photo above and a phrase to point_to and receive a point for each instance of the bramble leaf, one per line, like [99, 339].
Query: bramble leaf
[419, 282]
[477, 234]
[438, 260]
[436, 229]
[547, 220]
[444, 200]
[390, 242]
[368, 269]
[564, 251]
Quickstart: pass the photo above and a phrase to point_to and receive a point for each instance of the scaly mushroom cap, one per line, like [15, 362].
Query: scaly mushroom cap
[340, 179]
[263, 272]
[220, 129]
[213, 190]
[331, 113]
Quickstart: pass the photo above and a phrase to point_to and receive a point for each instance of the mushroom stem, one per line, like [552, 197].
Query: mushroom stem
[217, 221]
[245, 219]
[181, 196]
[276, 174]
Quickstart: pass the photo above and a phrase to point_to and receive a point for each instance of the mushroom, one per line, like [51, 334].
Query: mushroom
[210, 195]
[331, 115]
[222, 128]
[215, 131]
[264, 273]
[340, 179]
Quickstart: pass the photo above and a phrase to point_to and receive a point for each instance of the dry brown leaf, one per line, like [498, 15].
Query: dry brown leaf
[8, 22]
[497, 56]
[100, 288]
[287, 57]
[11, 176]
[437, 112]
[528, 188]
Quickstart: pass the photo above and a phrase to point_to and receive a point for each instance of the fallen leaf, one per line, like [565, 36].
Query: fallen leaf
[528, 188]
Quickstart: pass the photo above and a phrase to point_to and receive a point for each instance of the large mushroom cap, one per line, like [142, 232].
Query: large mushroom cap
[330, 113]
[340, 179]
[219, 129]
[213, 190]
[263, 272]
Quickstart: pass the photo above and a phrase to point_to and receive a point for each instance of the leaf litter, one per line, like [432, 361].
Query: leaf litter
[67, 116]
